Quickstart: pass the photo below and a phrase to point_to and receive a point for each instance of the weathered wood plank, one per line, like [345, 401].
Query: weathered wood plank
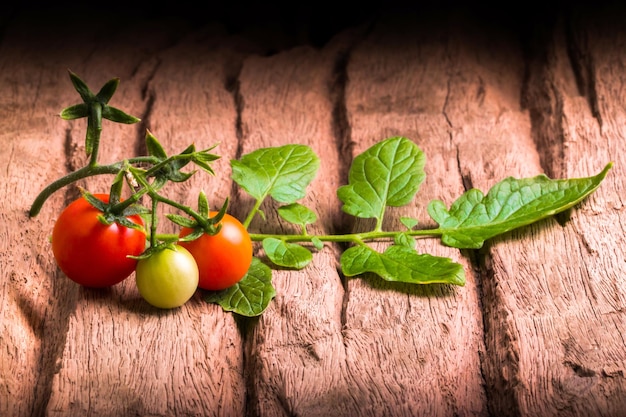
[151, 361]
[120, 356]
[579, 299]
[295, 351]
[204, 112]
[411, 350]
[479, 103]
[548, 337]
[37, 301]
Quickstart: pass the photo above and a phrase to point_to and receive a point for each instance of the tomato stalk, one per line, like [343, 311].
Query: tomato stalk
[82, 173]
[153, 224]
[348, 237]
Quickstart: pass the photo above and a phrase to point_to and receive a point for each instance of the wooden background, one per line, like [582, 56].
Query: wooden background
[537, 331]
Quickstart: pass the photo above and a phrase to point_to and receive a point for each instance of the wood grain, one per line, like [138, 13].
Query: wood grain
[411, 348]
[536, 331]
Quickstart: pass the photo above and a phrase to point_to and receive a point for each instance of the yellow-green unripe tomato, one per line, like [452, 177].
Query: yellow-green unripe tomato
[168, 278]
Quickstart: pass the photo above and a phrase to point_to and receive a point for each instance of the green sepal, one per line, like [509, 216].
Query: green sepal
[203, 204]
[93, 200]
[108, 217]
[169, 168]
[107, 90]
[151, 250]
[115, 192]
[82, 88]
[204, 158]
[195, 234]
[94, 127]
[77, 111]
[182, 221]
[118, 116]
[154, 147]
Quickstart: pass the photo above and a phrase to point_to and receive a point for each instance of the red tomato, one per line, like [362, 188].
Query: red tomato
[92, 253]
[224, 258]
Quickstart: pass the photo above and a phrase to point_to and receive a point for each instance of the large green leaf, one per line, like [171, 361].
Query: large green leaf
[387, 174]
[511, 203]
[402, 264]
[251, 296]
[282, 172]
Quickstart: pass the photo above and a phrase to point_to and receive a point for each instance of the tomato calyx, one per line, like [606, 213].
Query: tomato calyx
[152, 250]
[111, 212]
[207, 224]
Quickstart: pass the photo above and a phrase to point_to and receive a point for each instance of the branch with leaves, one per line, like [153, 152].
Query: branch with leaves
[388, 174]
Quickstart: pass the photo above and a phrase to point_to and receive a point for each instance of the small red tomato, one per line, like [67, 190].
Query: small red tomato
[224, 258]
[91, 253]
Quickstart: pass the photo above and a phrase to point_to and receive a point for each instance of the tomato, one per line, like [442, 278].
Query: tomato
[168, 278]
[224, 258]
[91, 253]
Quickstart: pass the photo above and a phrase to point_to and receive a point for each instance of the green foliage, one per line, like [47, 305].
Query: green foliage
[401, 264]
[283, 172]
[510, 204]
[298, 214]
[251, 296]
[388, 174]
[289, 255]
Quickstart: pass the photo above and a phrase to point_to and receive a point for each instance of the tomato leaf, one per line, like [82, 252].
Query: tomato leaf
[281, 172]
[404, 239]
[510, 204]
[387, 174]
[409, 222]
[251, 296]
[298, 214]
[289, 255]
[317, 242]
[402, 264]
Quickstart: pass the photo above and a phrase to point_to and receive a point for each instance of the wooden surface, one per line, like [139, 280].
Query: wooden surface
[538, 330]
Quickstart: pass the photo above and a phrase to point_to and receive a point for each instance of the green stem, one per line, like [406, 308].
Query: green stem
[84, 172]
[153, 223]
[187, 210]
[349, 237]
[96, 130]
[167, 237]
[252, 213]
[156, 167]
[81, 173]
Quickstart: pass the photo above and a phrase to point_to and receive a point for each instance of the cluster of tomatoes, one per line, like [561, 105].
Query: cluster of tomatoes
[96, 254]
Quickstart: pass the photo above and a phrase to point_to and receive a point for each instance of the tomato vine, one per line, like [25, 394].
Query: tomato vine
[388, 174]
